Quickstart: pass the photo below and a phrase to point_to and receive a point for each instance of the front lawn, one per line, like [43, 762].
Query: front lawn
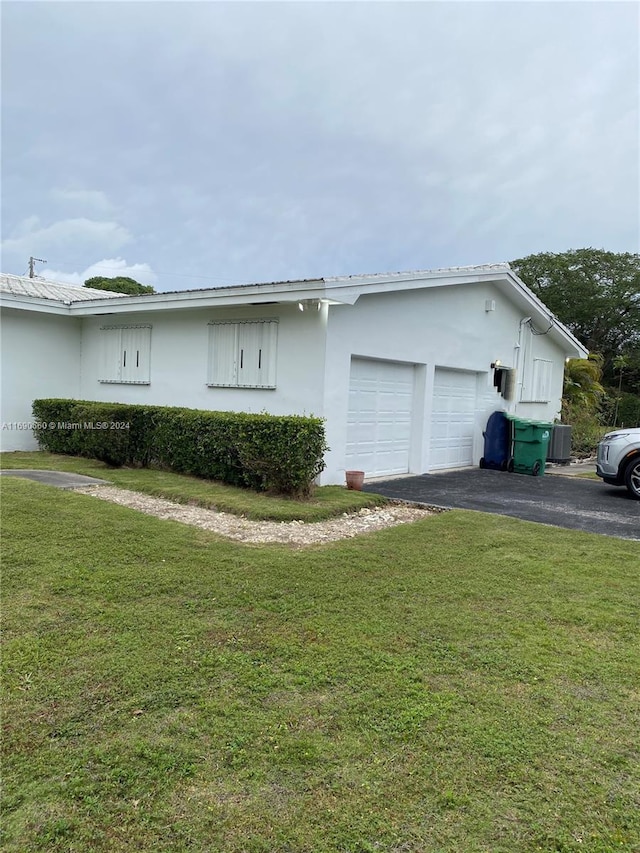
[467, 683]
[326, 501]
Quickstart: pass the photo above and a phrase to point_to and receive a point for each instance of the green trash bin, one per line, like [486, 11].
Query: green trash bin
[529, 445]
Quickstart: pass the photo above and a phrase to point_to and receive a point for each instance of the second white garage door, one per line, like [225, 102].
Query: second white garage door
[452, 419]
[380, 410]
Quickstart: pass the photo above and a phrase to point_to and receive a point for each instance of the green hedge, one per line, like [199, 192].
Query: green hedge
[282, 454]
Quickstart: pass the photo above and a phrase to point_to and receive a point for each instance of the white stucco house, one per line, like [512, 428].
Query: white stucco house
[405, 367]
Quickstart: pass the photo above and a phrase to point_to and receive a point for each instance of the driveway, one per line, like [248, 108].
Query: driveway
[569, 502]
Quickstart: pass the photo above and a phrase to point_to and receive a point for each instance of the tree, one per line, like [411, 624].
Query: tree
[582, 397]
[628, 369]
[595, 293]
[582, 385]
[119, 284]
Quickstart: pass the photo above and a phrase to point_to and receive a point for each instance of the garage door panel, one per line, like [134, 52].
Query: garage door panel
[388, 405]
[385, 433]
[452, 419]
[379, 420]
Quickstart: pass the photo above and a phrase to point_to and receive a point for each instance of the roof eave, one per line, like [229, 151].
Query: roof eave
[349, 290]
[34, 303]
[220, 298]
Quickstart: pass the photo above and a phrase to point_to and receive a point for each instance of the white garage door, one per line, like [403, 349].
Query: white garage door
[379, 424]
[452, 419]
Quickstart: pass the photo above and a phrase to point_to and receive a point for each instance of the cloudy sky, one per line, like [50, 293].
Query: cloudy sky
[194, 144]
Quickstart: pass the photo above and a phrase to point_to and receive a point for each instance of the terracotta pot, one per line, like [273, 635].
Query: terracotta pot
[355, 479]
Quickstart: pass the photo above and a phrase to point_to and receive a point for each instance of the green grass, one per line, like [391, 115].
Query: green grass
[467, 683]
[326, 501]
[585, 475]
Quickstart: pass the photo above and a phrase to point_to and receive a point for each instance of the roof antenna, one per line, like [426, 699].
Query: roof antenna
[32, 262]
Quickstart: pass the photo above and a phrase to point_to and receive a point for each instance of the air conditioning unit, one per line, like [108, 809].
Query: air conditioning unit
[560, 444]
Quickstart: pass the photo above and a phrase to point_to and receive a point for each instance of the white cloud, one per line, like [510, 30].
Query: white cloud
[108, 267]
[64, 236]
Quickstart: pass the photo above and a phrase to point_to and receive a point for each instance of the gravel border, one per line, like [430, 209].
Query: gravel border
[298, 533]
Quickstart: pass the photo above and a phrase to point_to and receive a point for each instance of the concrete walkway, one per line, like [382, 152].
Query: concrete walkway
[574, 469]
[59, 479]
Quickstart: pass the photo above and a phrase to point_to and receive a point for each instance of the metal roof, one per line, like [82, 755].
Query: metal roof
[337, 279]
[292, 282]
[500, 267]
[42, 289]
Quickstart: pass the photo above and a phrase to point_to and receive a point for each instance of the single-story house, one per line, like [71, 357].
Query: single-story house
[405, 368]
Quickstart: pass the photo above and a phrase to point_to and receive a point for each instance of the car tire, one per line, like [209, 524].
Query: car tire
[632, 477]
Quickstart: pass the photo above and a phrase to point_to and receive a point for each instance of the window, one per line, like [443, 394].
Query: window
[243, 354]
[537, 372]
[536, 386]
[125, 354]
[540, 390]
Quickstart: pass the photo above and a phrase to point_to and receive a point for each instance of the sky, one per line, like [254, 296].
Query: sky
[200, 144]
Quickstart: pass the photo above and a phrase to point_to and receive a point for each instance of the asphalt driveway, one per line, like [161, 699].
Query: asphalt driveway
[577, 504]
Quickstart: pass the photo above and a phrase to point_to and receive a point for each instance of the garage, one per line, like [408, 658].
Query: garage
[379, 420]
[452, 419]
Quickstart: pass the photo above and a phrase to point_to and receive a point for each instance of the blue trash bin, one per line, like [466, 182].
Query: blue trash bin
[497, 442]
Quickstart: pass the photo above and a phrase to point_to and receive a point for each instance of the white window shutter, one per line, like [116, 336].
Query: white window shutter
[136, 347]
[125, 354]
[243, 354]
[144, 358]
[222, 354]
[109, 370]
[542, 369]
[249, 354]
[269, 354]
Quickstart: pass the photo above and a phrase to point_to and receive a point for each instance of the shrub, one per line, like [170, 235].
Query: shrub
[281, 454]
[586, 431]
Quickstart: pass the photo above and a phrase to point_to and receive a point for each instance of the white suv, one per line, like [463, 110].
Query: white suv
[619, 459]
